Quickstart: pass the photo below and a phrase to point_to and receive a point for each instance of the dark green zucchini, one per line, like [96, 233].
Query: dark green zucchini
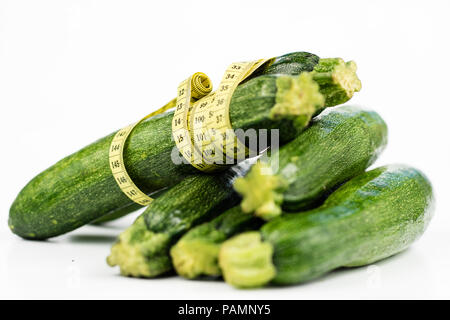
[373, 216]
[80, 188]
[340, 144]
[142, 250]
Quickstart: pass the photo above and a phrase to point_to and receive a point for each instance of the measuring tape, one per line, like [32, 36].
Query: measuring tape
[201, 126]
[202, 131]
[117, 164]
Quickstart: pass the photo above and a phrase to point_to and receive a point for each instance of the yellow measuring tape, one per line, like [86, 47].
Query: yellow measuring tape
[117, 164]
[201, 126]
[202, 131]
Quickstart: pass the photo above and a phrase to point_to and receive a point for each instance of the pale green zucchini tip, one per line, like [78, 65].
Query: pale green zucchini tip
[297, 97]
[332, 82]
[194, 257]
[264, 201]
[246, 261]
[337, 79]
[345, 76]
[137, 251]
[339, 72]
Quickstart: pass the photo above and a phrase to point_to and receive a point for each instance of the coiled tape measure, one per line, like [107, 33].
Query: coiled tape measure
[200, 126]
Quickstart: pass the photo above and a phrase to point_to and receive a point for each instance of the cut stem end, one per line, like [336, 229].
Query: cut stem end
[337, 79]
[297, 98]
[140, 252]
[261, 191]
[196, 257]
[246, 261]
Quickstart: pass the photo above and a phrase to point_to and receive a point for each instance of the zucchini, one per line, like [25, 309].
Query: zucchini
[142, 250]
[80, 188]
[339, 145]
[373, 216]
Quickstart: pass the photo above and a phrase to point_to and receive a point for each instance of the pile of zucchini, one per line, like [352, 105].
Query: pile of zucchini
[290, 216]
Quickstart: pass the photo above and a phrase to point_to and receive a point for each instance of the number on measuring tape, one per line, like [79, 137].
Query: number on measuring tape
[117, 163]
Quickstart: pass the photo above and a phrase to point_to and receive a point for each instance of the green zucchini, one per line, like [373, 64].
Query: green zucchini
[341, 143]
[142, 250]
[373, 216]
[338, 145]
[80, 188]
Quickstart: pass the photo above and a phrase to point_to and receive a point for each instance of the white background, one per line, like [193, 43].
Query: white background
[74, 71]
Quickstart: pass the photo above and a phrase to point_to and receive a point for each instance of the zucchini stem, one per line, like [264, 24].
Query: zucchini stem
[140, 252]
[332, 82]
[246, 261]
[197, 253]
[297, 98]
[262, 191]
[337, 79]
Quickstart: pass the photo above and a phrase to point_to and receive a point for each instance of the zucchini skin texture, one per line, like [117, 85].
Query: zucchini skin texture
[371, 217]
[229, 223]
[80, 188]
[358, 136]
[291, 64]
[117, 214]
